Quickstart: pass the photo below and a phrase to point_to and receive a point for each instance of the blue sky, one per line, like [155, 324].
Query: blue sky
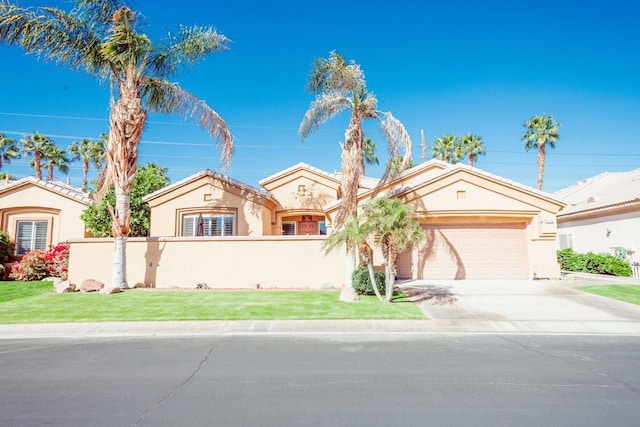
[445, 67]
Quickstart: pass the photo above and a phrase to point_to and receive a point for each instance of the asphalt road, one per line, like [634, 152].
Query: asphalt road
[329, 380]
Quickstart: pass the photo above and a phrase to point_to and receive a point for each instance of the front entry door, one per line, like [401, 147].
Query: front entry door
[308, 228]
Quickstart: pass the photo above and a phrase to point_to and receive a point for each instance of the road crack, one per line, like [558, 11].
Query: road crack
[176, 389]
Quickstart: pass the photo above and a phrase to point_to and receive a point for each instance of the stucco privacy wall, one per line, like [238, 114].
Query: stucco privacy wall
[226, 263]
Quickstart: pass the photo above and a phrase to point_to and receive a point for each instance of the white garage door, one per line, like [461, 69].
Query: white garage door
[491, 251]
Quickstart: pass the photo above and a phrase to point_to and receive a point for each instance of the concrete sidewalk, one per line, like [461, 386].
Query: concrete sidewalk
[319, 327]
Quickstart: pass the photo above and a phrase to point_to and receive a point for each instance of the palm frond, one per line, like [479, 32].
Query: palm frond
[189, 46]
[100, 11]
[398, 143]
[335, 75]
[54, 35]
[325, 107]
[165, 97]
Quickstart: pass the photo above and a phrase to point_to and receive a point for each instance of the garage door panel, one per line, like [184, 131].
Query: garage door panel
[469, 252]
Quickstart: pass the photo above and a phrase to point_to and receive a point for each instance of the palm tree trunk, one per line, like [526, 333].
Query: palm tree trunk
[120, 239]
[50, 172]
[470, 159]
[366, 256]
[127, 121]
[85, 172]
[36, 164]
[541, 160]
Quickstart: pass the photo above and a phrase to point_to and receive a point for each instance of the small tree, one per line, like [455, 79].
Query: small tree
[391, 223]
[37, 145]
[97, 218]
[354, 236]
[87, 151]
[56, 157]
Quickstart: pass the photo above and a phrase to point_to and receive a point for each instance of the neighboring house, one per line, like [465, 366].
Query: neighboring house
[478, 225]
[602, 215]
[38, 214]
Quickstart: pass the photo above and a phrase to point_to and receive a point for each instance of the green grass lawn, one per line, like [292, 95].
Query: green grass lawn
[35, 302]
[626, 293]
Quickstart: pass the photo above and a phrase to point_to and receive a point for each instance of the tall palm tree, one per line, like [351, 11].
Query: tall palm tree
[446, 148]
[472, 146]
[391, 222]
[56, 157]
[36, 144]
[89, 152]
[340, 85]
[542, 130]
[8, 149]
[103, 38]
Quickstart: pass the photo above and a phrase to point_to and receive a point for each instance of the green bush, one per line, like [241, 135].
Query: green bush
[593, 263]
[33, 266]
[6, 247]
[362, 283]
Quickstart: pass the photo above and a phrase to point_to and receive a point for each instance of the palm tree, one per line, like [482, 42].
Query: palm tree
[472, 146]
[103, 38]
[87, 151]
[392, 224]
[446, 148]
[354, 235]
[8, 149]
[37, 145]
[340, 85]
[541, 131]
[56, 157]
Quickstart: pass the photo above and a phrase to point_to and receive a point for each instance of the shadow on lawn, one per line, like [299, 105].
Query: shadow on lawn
[438, 295]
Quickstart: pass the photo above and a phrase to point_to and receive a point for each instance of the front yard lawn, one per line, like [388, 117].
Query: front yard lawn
[626, 293]
[35, 302]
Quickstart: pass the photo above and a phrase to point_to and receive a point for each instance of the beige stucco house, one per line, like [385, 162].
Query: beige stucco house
[602, 215]
[478, 225]
[38, 214]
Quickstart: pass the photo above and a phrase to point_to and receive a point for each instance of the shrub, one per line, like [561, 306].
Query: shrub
[593, 263]
[33, 266]
[57, 259]
[37, 264]
[362, 283]
[6, 247]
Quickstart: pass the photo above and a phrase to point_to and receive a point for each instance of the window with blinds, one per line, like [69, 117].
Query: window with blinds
[212, 225]
[31, 235]
[289, 228]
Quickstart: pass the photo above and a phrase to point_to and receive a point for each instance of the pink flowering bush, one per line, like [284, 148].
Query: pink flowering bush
[37, 264]
[57, 259]
[32, 267]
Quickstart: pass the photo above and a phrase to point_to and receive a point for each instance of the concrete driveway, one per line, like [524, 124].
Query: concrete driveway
[520, 305]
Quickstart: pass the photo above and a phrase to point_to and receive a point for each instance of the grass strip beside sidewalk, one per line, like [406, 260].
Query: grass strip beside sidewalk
[626, 293]
[145, 305]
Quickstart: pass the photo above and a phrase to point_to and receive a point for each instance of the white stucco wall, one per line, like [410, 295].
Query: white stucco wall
[604, 233]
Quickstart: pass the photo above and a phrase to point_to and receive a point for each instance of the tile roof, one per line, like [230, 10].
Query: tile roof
[601, 191]
[55, 186]
[213, 174]
[300, 165]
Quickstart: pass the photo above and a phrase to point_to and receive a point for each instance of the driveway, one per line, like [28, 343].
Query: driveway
[551, 306]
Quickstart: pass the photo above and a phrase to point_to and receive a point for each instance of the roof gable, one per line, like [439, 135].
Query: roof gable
[176, 187]
[55, 187]
[287, 175]
[434, 174]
